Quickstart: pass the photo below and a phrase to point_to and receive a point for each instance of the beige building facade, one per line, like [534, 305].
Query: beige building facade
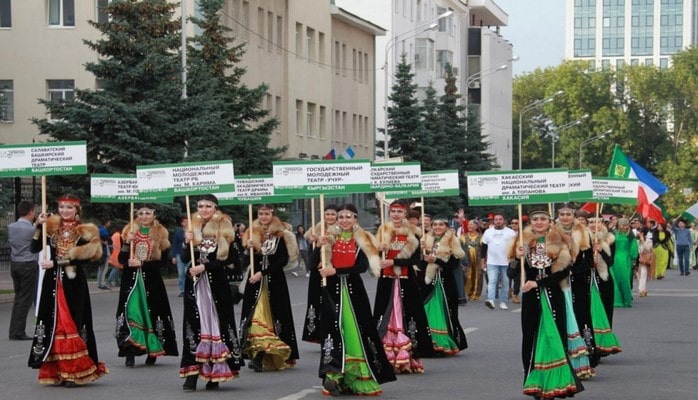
[317, 59]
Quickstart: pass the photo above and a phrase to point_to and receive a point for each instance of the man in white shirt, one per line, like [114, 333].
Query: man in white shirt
[495, 242]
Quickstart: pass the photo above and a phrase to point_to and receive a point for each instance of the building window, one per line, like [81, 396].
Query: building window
[279, 34]
[246, 20]
[299, 39]
[321, 48]
[443, 58]
[61, 13]
[353, 64]
[61, 90]
[322, 127]
[344, 60]
[277, 112]
[260, 25]
[5, 13]
[299, 117]
[270, 31]
[663, 63]
[310, 43]
[7, 101]
[337, 55]
[424, 57]
[310, 127]
[102, 15]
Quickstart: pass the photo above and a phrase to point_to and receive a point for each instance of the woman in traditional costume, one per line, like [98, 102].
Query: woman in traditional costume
[144, 322]
[576, 289]
[211, 349]
[646, 262]
[399, 312]
[601, 290]
[352, 360]
[663, 250]
[622, 271]
[64, 347]
[268, 333]
[474, 277]
[311, 323]
[548, 371]
[443, 255]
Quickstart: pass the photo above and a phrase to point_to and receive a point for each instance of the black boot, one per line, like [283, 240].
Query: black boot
[257, 364]
[130, 360]
[190, 383]
[211, 385]
[150, 360]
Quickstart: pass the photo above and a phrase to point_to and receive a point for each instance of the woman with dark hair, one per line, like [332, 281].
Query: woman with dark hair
[443, 254]
[353, 360]
[211, 349]
[303, 250]
[144, 322]
[268, 333]
[548, 372]
[399, 312]
[663, 249]
[311, 323]
[64, 347]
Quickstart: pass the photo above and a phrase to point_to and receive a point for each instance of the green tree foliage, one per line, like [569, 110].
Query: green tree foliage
[404, 121]
[233, 118]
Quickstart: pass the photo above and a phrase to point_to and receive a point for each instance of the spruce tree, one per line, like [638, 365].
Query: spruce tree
[404, 120]
[134, 117]
[231, 124]
[466, 149]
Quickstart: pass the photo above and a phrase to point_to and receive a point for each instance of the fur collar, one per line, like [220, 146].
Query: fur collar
[276, 228]
[318, 230]
[556, 247]
[605, 239]
[92, 250]
[366, 242]
[579, 239]
[220, 226]
[387, 230]
[448, 246]
[158, 238]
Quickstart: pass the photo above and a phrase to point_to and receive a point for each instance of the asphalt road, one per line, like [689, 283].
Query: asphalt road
[659, 336]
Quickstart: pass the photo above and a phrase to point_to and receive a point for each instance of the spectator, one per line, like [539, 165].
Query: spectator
[24, 268]
[106, 252]
[303, 247]
[115, 267]
[176, 254]
[495, 242]
[684, 242]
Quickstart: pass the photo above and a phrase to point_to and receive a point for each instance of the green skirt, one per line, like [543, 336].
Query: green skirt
[437, 317]
[551, 375]
[606, 340]
[357, 377]
[142, 333]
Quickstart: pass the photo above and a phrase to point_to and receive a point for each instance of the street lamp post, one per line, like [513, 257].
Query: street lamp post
[529, 107]
[389, 45]
[587, 141]
[556, 135]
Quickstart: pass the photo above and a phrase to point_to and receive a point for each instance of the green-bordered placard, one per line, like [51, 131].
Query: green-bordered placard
[43, 159]
[252, 189]
[396, 176]
[580, 185]
[338, 177]
[186, 178]
[434, 184]
[119, 188]
[517, 187]
[615, 190]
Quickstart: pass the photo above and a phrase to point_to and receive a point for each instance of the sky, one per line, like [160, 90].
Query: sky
[536, 28]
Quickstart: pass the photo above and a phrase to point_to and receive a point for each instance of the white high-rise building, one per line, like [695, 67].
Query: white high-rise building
[611, 33]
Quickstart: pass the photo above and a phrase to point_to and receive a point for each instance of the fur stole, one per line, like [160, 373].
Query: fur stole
[448, 246]
[90, 251]
[388, 229]
[318, 230]
[556, 247]
[579, 241]
[220, 226]
[606, 239]
[366, 242]
[158, 238]
[276, 228]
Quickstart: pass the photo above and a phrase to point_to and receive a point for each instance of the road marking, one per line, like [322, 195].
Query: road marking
[301, 394]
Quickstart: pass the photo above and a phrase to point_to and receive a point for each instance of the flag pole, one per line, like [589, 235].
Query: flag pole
[249, 216]
[323, 257]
